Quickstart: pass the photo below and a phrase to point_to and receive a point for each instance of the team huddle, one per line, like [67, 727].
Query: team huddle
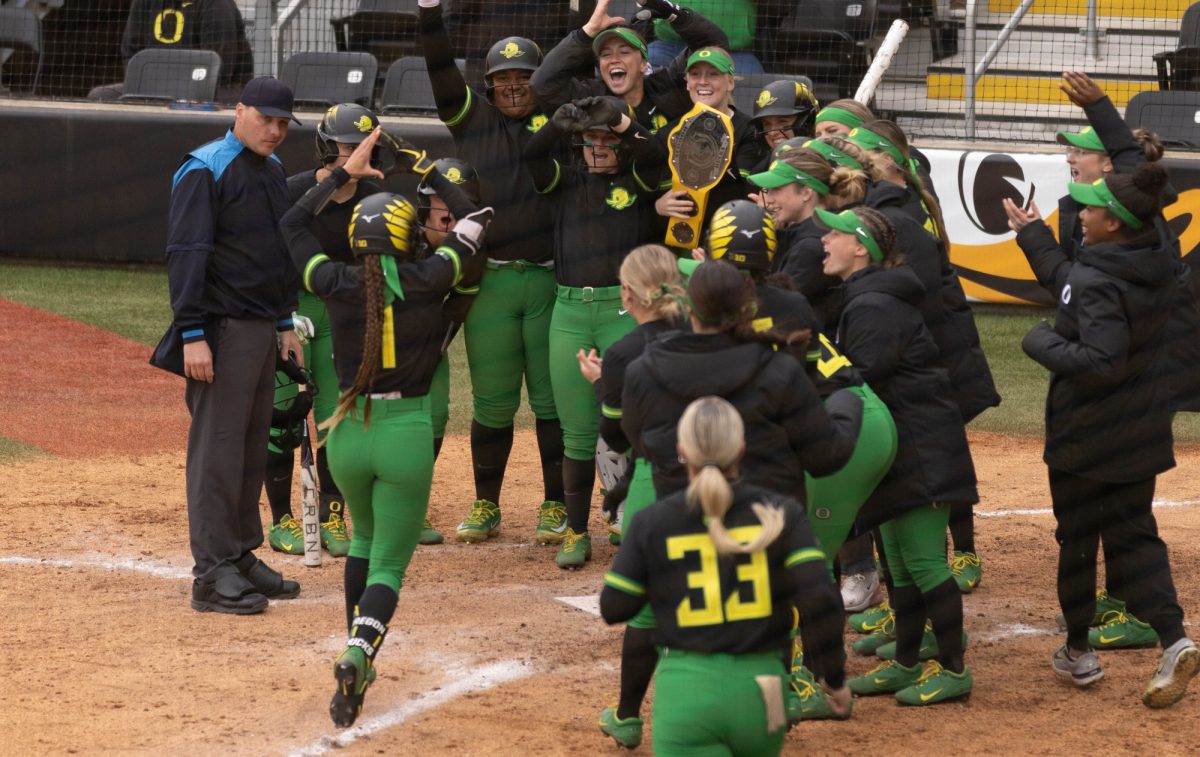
[788, 381]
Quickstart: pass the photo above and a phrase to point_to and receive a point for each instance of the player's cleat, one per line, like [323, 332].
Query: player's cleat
[937, 684]
[575, 550]
[552, 523]
[334, 538]
[352, 673]
[871, 618]
[1105, 603]
[627, 733]
[805, 700]
[1120, 630]
[884, 634]
[429, 534]
[967, 569]
[482, 523]
[616, 528]
[1082, 671]
[928, 650]
[1176, 668]
[858, 590]
[286, 536]
[885, 678]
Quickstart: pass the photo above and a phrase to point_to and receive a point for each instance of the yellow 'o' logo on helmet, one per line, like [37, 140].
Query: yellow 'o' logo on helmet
[511, 50]
[364, 124]
[455, 176]
[765, 99]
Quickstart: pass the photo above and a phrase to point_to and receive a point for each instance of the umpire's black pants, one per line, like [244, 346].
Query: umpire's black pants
[227, 446]
[1135, 557]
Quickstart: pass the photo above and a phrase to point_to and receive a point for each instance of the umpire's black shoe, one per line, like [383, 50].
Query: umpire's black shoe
[266, 581]
[231, 594]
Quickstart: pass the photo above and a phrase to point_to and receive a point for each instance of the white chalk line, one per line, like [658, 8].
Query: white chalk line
[589, 603]
[1158, 504]
[96, 560]
[466, 681]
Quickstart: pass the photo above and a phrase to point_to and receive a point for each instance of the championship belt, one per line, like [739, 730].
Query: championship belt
[700, 150]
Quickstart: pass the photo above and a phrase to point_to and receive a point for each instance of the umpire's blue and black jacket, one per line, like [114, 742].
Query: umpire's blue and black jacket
[225, 256]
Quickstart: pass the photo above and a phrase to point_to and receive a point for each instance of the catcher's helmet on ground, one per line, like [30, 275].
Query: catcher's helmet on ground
[512, 52]
[742, 233]
[348, 124]
[384, 224]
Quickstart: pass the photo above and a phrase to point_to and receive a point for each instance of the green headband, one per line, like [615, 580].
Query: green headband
[869, 140]
[848, 222]
[781, 172]
[629, 35]
[715, 58]
[1097, 194]
[840, 116]
[1086, 139]
[832, 154]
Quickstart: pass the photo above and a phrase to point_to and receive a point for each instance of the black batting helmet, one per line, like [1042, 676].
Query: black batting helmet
[788, 98]
[384, 224]
[458, 172]
[348, 123]
[742, 233]
[512, 52]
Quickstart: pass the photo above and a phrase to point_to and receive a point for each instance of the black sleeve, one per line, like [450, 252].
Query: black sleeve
[632, 408]
[609, 390]
[457, 202]
[802, 263]
[449, 88]
[1115, 134]
[698, 31]
[1103, 348]
[554, 82]
[624, 592]
[823, 435]
[1048, 261]
[544, 169]
[648, 155]
[816, 597]
[873, 340]
[322, 276]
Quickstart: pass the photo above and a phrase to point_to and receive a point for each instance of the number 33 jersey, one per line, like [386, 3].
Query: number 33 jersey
[706, 602]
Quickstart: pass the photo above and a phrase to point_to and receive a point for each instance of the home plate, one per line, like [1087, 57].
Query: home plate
[589, 603]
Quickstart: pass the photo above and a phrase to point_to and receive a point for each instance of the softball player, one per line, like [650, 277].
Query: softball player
[652, 292]
[507, 330]
[1110, 393]
[751, 555]
[783, 110]
[881, 331]
[340, 130]
[388, 327]
[605, 208]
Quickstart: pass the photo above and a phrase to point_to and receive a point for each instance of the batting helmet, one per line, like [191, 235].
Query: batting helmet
[347, 124]
[457, 172]
[384, 224]
[512, 52]
[788, 98]
[742, 233]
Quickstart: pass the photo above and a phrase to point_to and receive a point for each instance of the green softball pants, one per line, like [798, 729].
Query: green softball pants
[694, 716]
[507, 332]
[834, 500]
[641, 495]
[915, 545]
[439, 398]
[318, 358]
[584, 319]
[385, 472]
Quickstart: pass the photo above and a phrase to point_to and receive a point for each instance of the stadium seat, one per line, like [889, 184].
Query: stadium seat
[325, 79]
[827, 40]
[21, 32]
[1180, 68]
[749, 85]
[167, 74]
[406, 88]
[386, 29]
[1174, 116]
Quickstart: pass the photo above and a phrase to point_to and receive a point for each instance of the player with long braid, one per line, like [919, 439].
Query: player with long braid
[388, 329]
[720, 682]
[507, 330]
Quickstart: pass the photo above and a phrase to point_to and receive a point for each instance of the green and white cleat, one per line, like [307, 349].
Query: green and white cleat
[575, 550]
[286, 536]
[552, 523]
[627, 733]
[967, 569]
[1120, 630]
[481, 524]
[936, 685]
[885, 678]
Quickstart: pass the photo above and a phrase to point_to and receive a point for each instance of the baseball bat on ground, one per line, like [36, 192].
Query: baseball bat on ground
[308, 501]
[883, 59]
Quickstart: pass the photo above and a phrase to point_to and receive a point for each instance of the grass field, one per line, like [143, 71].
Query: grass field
[133, 302]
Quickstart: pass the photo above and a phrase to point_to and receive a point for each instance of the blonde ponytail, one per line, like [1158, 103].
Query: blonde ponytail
[712, 439]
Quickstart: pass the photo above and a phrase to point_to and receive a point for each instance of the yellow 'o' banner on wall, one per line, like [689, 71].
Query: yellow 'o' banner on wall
[971, 186]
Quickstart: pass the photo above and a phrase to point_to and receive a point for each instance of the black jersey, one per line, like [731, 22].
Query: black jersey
[801, 255]
[329, 227]
[612, 377]
[215, 25]
[710, 603]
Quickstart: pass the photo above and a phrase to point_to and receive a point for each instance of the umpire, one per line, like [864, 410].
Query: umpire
[232, 288]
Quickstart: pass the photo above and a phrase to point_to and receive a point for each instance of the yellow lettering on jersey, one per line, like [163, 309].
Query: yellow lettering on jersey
[757, 574]
[158, 26]
[707, 579]
[831, 360]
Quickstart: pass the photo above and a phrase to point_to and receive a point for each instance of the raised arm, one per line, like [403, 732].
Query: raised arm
[1047, 259]
[555, 81]
[450, 91]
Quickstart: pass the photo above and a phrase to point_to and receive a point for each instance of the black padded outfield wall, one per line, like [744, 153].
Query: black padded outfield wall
[92, 183]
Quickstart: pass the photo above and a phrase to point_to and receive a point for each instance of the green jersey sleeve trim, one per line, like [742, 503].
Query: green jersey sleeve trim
[462, 114]
[621, 583]
[452, 256]
[311, 266]
[613, 413]
[638, 179]
[801, 556]
[553, 182]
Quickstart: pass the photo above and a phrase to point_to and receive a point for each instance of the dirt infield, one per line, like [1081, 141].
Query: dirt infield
[483, 658]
